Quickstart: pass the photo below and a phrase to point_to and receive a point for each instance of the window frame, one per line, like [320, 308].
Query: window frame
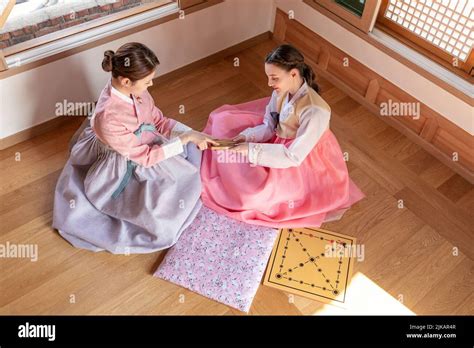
[423, 46]
[6, 12]
[63, 33]
[364, 23]
[444, 79]
[180, 7]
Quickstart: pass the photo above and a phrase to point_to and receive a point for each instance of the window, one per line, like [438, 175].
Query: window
[36, 29]
[360, 13]
[30, 19]
[356, 6]
[443, 27]
[438, 31]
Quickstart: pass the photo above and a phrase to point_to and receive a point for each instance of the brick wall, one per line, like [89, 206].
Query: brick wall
[72, 18]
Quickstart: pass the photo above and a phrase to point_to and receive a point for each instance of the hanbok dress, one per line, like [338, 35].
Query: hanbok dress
[129, 185]
[295, 174]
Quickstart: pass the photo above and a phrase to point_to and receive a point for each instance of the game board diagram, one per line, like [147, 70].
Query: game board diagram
[314, 263]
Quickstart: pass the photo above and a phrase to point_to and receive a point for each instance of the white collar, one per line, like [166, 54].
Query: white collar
[121, 95]
[299, 93]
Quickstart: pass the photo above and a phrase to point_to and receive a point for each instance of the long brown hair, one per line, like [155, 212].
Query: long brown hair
[288, 57]
[132, 60]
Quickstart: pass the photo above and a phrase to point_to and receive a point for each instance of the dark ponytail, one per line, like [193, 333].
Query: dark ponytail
[288, 57]
[132, 60]
[309, 76]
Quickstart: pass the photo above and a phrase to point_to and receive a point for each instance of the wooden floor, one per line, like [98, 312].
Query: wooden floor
[419, 256]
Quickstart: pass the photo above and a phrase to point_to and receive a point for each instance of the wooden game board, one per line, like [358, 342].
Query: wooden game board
[306, 262]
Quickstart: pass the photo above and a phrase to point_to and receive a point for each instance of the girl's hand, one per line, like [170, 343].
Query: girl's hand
[239, 138]
[202, 141]
[199, 139]
[241, 148]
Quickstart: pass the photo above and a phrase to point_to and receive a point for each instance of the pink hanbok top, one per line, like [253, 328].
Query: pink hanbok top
[118, 116]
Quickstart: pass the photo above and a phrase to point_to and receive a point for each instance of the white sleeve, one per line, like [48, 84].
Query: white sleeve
[178, 129]
[264, 131]
[173, 148]
[175, 145]
[314, 121]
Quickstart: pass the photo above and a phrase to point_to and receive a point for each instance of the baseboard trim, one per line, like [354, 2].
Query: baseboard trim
[32, 132]
[213, 58]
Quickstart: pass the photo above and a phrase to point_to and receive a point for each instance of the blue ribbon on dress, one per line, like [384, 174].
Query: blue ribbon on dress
[130, 164]
[143, 128]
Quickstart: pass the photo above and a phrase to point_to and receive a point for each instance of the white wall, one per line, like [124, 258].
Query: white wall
[446, 104]
[29, 98]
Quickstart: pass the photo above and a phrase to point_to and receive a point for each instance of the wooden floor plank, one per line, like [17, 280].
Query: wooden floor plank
[386, 238]
[455, 187]
[450, 292]
[391, 273]
[436, 174]
[466, 202]
[27, 202]
[419, 161]
[465, 308]
[29, 169]
[438, 220]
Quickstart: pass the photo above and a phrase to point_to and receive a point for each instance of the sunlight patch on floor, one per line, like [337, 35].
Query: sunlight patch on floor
[364, 297]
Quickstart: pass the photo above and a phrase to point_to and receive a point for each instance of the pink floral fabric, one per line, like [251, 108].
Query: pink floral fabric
[220, 258]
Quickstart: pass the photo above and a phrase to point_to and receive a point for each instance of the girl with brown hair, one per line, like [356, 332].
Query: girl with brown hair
[131, 184]
[291, 171]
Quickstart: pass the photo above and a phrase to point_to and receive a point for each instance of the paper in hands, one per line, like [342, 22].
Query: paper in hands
[223, 144]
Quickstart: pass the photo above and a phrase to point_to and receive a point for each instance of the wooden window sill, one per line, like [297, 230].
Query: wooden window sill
[37, 52]
[437, 69]
[458, 84]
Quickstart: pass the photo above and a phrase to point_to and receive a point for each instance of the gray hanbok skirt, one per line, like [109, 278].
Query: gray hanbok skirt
[102, 202]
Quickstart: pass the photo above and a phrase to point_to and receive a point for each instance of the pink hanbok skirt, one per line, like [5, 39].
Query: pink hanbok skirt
[316, 191]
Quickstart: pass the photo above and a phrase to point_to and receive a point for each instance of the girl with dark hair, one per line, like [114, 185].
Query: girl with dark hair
[131, 184]
[293, 173]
